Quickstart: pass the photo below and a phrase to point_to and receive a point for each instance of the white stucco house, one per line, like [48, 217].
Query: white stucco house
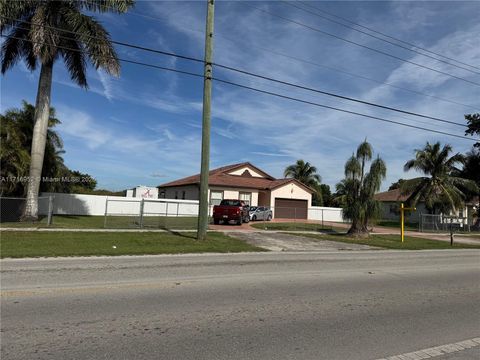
[288, 198]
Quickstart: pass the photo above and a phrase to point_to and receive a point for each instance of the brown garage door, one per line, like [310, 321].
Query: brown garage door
[291, 209]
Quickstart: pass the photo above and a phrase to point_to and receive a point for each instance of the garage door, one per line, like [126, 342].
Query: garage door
[291, 209]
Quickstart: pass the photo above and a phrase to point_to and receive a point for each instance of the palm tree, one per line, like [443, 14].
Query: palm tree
[441, 188]
[17, 131]
[356, 192]
[307, 175]
[42, 32]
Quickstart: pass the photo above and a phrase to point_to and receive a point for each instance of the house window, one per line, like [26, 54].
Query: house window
[162, 194]
[216, 197]
[246, 197]
[176, 194]
[183, 195]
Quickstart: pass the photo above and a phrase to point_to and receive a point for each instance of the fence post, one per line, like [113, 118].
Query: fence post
[323, 227]
[141, 212]
[50, 210]
[106, 212]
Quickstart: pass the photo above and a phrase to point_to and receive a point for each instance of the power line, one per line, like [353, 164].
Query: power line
[264, 92]
[378, 37]
[130, 12]
[337, 96]
[110, 57]
[273, 80]
[310, 62]
[386, 35]
[339, 109]
[361, 45]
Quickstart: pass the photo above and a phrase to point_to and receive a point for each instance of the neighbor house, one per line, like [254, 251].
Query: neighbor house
[288, 198]
[391, 201]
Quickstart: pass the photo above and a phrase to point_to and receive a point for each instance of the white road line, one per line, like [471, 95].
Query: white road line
[436, 351]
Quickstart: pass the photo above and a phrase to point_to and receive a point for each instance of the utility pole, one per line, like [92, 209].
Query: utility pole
[207, 94]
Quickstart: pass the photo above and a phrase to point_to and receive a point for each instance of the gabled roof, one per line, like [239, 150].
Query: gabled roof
[221, 177]
[396, 196]
[392, 195]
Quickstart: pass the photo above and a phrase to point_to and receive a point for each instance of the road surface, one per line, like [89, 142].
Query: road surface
[324, 305]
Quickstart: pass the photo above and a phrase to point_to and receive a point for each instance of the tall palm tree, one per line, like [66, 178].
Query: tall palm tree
[306, 174]
[440, 188]
[42, 32]
[357, 190]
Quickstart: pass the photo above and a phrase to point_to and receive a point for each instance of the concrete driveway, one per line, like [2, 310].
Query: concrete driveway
[285, 242]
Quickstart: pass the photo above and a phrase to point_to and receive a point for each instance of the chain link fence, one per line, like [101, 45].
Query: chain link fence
[443, 223]
[299, 219]
[12, 208]
[151, 214]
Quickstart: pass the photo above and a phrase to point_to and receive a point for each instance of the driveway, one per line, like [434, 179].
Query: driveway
[285, 242]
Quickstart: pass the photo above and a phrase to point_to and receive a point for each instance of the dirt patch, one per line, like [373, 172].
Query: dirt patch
[286, 242]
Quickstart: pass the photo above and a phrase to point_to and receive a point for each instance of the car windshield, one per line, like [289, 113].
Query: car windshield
[231, 203]
[253, 208]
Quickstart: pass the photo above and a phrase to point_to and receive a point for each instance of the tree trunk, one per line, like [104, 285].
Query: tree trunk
[358, 230]
[42, 114]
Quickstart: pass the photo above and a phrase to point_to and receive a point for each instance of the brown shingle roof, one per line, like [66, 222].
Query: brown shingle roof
[220, 177]
[392, 195]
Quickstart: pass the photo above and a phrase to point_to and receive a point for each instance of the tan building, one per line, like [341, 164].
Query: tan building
[392, 199]
[288, 198]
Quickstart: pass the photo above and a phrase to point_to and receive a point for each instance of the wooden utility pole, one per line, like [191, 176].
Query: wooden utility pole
[207, 94]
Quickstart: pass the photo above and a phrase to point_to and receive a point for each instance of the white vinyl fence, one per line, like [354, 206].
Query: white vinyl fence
[322, 213]
[79, 204]
[96, 205]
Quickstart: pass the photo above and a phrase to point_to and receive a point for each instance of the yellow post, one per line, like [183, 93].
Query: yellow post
[402, 230]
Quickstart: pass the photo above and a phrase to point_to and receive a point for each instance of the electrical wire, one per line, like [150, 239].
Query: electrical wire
[362, 46]
[130, 12]
[383, 34]
[379, 38]
[268, 93]
[313, 63]
[270, 79]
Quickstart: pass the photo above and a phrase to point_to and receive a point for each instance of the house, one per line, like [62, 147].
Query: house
[288, 198]
[146, 192]
[390, 206]
[392, 199]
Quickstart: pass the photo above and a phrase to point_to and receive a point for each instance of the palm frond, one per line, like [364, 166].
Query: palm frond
[118, 6]
[95, 39]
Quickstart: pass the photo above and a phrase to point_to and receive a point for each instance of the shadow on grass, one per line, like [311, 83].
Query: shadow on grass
[192, 235]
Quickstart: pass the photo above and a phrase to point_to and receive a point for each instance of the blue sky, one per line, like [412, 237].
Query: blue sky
[145, 126]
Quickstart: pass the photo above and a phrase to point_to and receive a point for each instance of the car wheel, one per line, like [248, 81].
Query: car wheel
[247, 219]
[254, 218]
[269, 217]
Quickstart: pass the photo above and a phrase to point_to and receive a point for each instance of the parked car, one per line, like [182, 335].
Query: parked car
[231, 210]
[260, 213]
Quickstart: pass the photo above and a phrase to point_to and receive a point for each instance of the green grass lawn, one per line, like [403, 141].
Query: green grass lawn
[392, 242]
[113, 222]
[295, 226]
[396, 224]
[17, 244]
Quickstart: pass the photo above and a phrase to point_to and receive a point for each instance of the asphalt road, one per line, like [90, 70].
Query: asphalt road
[330, 305]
